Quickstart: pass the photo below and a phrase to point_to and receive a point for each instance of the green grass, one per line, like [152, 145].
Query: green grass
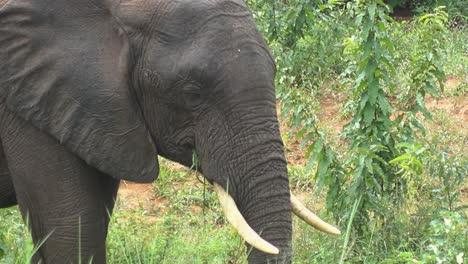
[180, 234]
[173, 238]
[15, 243]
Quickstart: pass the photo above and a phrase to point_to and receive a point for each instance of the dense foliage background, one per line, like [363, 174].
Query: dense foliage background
[389, 179]
[386, 167]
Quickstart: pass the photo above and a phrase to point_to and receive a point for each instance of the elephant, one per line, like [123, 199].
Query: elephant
[93, 91]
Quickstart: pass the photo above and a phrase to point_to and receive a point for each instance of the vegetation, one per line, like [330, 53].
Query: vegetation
[379, 183]
[387, 164]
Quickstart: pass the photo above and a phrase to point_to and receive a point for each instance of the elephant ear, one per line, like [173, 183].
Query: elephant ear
[64, 67]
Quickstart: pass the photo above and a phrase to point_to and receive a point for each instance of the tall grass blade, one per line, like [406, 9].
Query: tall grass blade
[348, 229]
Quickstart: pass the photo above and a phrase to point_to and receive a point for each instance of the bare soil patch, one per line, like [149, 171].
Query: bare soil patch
[141, 196]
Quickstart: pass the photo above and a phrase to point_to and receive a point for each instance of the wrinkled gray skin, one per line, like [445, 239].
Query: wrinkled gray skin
[92, 91]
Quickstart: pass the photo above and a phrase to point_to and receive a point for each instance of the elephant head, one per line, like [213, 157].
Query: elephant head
[120, 82]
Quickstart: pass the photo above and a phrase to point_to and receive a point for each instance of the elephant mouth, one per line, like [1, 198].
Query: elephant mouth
[235, 218]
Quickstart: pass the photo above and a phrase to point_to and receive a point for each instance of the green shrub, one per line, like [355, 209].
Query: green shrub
[446, 239]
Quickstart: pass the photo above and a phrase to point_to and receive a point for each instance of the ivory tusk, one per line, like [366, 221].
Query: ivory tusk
[312, 219]
[236, 219]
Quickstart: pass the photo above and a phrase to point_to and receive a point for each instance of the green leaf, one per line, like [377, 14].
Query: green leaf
[323, 167]
[359, 19]
[420, 150]
[383, 103]
[368, 48]
[370, 70]
[316, 148]
[363, 101]
[371, 9]
[373, 91]
[306, 139]
[301, 132]
[369, 166]
[401, 158]
[368, 114]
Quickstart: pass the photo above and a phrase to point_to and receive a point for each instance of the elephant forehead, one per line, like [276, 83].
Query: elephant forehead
[202, 6]
[185, 19]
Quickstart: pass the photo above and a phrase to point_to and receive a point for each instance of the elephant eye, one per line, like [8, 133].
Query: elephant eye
[192, 96]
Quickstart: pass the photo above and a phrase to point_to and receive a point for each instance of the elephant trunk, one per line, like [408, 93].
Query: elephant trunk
[248, 163]
[265, 204]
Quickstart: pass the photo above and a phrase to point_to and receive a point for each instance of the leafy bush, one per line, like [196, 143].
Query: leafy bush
[386, 69]
[446, 239]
